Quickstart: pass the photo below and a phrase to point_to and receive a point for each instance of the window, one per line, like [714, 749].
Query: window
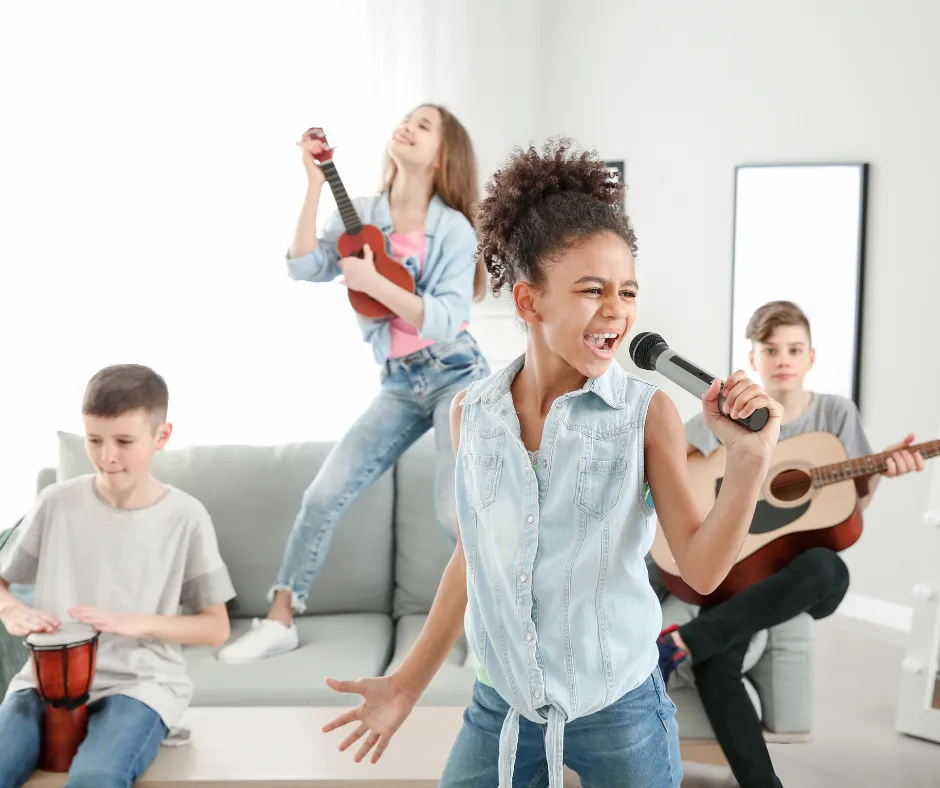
[149, 193]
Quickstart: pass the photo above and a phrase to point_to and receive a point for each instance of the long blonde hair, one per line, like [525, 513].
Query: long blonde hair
[455, 179]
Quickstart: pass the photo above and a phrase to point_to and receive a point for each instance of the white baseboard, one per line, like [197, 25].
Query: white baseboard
[877, 611]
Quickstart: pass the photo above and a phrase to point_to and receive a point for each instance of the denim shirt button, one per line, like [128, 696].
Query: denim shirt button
[530, 518]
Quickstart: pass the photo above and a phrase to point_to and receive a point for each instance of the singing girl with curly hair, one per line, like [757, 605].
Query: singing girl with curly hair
[554, 453]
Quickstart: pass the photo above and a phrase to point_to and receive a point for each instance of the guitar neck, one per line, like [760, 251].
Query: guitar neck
[865, 466]
[347, 210]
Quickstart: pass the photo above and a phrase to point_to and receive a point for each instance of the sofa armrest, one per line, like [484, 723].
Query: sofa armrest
[13, 656]
[784, 677]
[13, 653]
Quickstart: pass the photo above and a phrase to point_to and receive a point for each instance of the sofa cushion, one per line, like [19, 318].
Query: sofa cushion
[784, 677]
[253, 494]
[421, 549]
[453, 683]
[342, 647]
[46, 477]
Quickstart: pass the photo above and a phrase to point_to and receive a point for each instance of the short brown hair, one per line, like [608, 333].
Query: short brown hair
[121, 388]
[773, 315]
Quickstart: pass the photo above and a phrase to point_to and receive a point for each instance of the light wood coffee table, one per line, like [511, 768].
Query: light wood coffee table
[255, 747]
[260, 747]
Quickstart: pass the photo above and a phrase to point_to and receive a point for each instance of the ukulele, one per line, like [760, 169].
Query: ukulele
[357, 235]
[802, 504]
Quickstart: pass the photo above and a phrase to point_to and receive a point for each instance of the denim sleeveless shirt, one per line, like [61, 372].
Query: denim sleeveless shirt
[560, 615]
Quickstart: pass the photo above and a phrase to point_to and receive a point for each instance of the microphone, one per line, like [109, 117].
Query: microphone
[650, 351]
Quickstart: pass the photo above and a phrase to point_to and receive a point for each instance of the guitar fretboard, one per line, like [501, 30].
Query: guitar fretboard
[865, 466]
[347, 210]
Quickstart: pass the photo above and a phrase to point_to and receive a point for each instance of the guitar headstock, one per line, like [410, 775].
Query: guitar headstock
[316, 133]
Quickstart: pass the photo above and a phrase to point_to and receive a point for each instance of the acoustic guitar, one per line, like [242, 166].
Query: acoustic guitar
[804, 503]
[357, 235]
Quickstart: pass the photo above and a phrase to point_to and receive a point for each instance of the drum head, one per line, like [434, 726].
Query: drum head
[66, 636]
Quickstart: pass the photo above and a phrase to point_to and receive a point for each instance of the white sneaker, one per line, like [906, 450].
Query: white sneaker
[266, 638]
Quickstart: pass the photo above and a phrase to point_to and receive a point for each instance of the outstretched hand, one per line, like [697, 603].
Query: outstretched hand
[384, 708]
[742, 397]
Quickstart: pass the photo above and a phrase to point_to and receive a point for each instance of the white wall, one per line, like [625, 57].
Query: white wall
[684, 92]
[478, 58]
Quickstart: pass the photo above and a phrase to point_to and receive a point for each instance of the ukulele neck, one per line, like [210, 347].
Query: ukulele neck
[865, 466]
[347, 210]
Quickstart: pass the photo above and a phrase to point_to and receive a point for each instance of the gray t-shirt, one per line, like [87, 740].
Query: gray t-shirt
[826, 413]
[159, 560]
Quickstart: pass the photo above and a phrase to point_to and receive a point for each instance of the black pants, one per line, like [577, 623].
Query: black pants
[815, 583]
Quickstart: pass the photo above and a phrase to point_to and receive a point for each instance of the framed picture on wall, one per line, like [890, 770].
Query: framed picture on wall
[617, 174]
[799, 235]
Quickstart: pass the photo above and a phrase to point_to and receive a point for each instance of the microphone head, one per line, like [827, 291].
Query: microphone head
[641, 349]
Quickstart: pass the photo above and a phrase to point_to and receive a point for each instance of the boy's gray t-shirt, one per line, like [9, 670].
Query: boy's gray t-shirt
[826, 413]
[160, 560]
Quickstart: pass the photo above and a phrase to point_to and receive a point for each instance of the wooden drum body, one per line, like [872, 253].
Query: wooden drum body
[63, 664]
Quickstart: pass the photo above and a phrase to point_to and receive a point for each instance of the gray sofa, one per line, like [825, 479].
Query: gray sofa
[369, 603]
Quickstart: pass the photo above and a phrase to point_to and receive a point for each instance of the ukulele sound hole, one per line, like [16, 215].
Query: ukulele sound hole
[791, 485]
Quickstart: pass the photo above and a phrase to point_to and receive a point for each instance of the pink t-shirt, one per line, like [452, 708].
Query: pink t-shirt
[403, 337]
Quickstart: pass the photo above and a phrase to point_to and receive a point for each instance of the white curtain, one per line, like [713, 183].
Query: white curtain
[149, 190]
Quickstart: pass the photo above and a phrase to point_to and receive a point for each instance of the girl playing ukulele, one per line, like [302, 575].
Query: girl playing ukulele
[425, 352]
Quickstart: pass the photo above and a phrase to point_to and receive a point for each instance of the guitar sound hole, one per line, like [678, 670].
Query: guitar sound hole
[791, 485]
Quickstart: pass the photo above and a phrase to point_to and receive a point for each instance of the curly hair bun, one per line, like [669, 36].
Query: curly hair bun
[537, 204]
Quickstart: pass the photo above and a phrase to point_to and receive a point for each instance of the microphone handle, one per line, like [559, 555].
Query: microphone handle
[697, 381]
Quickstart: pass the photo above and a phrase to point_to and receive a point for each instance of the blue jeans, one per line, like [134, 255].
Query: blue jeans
[633, 743]
[123, 738]
[416, 395]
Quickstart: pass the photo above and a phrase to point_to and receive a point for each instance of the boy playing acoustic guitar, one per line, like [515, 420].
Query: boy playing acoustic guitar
[815, 582]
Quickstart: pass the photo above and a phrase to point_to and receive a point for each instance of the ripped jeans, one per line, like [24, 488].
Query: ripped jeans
[416, 395]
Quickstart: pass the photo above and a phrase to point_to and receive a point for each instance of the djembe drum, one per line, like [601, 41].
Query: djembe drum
[63, 665]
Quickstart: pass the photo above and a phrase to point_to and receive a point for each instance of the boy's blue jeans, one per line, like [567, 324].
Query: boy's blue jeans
[123, 738]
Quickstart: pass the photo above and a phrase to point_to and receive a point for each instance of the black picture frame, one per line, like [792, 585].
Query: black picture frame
[863, 170]
[616, 167]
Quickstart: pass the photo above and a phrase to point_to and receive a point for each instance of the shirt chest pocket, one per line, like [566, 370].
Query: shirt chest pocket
[600, 485]
[482, 473]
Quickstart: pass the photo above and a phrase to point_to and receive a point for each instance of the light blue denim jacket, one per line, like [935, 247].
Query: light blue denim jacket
[560, 612]
[445, 281]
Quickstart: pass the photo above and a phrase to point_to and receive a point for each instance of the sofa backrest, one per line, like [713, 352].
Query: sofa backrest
[421, 550]
[253, 494]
